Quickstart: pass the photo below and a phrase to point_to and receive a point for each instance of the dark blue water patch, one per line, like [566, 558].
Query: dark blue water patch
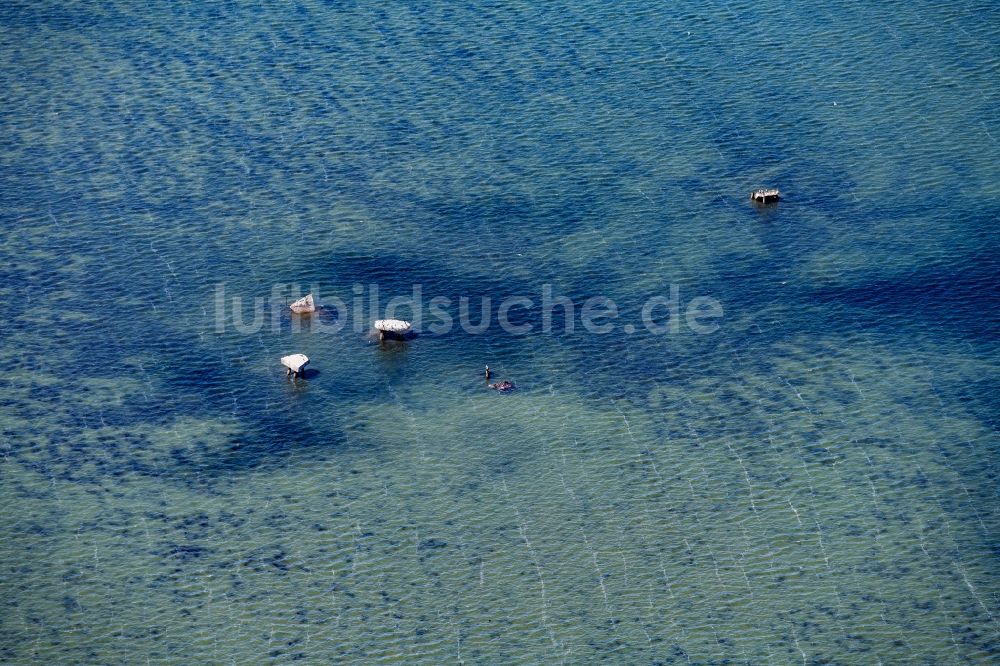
[267, 439]
[431, 544]
[961, 298]
[58, 16]
[396, 275]
[977, 396]
[216, 394]
[262, 446]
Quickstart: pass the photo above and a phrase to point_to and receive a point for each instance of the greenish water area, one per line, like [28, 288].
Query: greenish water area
[814, 481]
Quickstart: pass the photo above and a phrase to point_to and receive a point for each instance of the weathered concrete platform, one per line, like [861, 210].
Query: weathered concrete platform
[295, 363]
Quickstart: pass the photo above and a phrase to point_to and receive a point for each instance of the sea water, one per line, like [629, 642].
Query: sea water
[814, 480]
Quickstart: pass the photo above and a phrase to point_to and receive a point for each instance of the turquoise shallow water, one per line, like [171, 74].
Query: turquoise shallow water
[814, 482]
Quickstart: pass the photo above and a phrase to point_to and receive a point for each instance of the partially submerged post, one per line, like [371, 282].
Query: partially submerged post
[765, 196]
[304, 305]
[392, 328]
[295, 363]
